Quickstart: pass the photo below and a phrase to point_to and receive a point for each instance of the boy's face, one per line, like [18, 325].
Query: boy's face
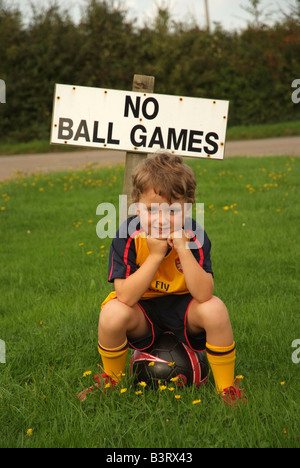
[158, 217]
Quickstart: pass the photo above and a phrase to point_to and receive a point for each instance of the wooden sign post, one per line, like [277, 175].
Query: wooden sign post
[141, 84]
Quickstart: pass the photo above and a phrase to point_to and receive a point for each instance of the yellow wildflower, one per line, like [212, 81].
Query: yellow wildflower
[177, 397]
[195, 402]
[29, 432]
[162, 387]
[87, 373]
[123, 390]
[171, 364]
[151, 364]
[143, 384]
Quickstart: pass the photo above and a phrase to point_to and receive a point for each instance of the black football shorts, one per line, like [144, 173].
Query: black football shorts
[168, 313]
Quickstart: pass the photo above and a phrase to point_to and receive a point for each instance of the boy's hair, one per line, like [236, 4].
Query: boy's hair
[167, 175]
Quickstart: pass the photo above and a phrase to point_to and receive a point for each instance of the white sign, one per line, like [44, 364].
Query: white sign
[141, 122]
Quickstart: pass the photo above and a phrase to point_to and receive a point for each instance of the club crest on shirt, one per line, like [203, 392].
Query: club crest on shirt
[178, 265]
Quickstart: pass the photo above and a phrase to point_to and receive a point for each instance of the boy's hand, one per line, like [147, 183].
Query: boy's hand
[177, 240]
[157, 246]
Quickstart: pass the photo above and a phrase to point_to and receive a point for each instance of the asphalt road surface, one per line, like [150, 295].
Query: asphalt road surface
[10, 166]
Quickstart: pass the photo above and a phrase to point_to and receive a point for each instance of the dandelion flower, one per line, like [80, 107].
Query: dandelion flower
[196, 402]
[29, 432]
[139, 392]
[225, 208]
[89, 252]
[162, 387]
[174, 379]
[282, 383]
[151, 364]
[171, 389]
[87, 373]
[143, 384]
[123, 390]
[240, 377]
[177, 397]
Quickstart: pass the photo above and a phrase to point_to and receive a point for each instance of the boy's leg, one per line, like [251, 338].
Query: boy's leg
[117, 322]
[213, 317]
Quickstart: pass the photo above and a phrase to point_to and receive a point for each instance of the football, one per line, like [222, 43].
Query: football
[169, 360]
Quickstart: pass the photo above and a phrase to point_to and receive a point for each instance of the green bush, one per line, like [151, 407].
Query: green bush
[253, 68]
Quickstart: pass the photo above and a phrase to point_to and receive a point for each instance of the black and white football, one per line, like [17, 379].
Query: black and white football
[169, 360]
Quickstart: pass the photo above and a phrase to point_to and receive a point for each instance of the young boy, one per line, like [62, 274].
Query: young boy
[163, 280]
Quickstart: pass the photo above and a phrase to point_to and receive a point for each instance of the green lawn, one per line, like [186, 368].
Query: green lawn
[54, 276]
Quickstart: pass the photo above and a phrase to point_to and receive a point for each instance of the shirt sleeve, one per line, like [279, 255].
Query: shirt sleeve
[122, 256]
[200, 245]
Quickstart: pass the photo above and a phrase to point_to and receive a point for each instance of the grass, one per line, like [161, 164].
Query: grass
[54, 276]
[252, 132]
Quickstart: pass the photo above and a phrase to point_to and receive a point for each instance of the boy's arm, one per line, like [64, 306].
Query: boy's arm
[131, 289]
[198, 281]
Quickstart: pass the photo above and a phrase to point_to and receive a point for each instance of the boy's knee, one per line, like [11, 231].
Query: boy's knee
[114, 314]
[217, 305]
[217, 313]
[212, 312]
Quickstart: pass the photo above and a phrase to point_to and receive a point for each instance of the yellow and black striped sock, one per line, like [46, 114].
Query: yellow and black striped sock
[114, 360]
[222, 362]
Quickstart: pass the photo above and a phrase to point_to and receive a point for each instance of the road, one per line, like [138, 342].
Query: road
[10, 166]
